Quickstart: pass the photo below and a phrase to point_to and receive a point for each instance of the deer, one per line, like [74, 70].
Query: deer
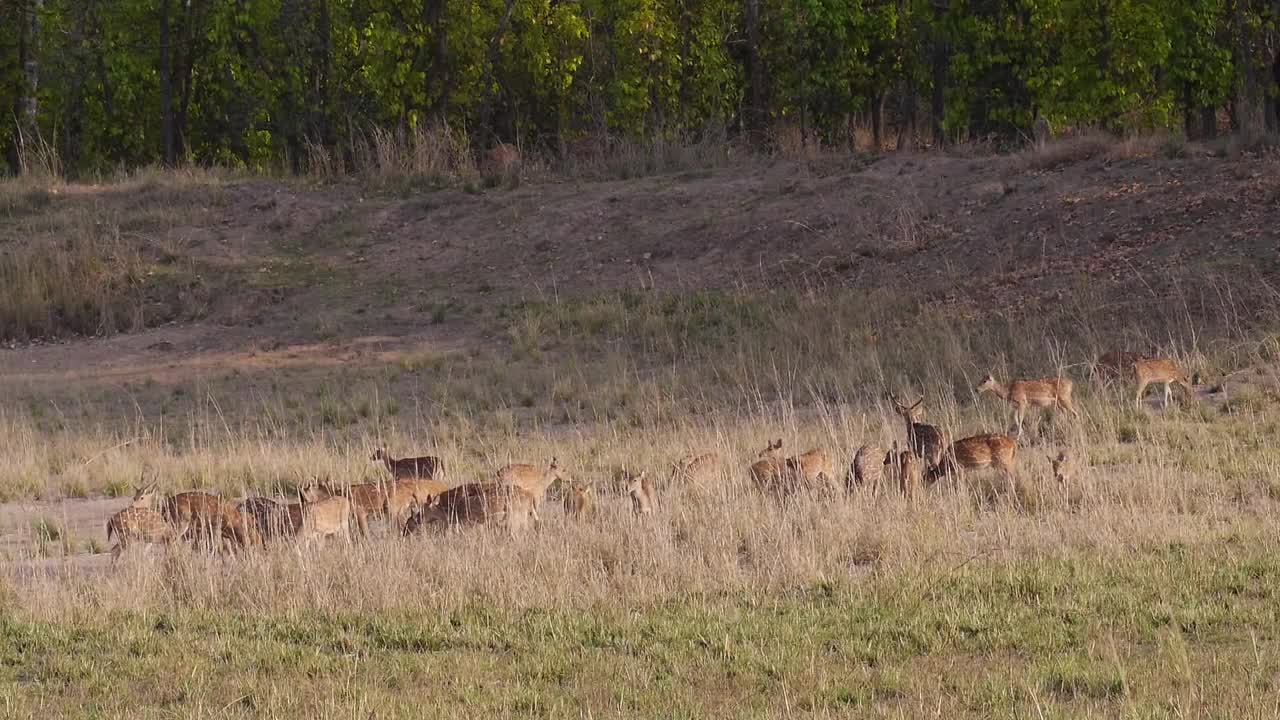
[643, 498]
[321, 515]
[698, 468]
[1042, 393]
[866, 469]
[976, 452]
[811, 470]
[211, 518]
[1160, 371]
[141, 523]
[577, 503]
[1061, 468]
[533, 480]
[904, 467]
[1117, 363]
[427, 467]
[367, 500]
[475, 504]
[926, 441]
[271, 517]
[404, 495]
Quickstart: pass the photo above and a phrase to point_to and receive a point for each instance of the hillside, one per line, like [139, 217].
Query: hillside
[263, 265]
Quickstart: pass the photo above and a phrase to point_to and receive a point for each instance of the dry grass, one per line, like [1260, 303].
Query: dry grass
[1146, 587]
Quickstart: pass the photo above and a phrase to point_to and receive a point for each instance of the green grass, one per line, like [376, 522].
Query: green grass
[1164, 632]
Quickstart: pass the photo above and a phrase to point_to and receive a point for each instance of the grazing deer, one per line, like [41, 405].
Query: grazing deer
[926, 441]
[533, 480]
[475, 504]
[1163, 372]
[211, 519]
[1043, 393]
[426, 467]
[643, 498]
[866, 469]
[140, 524]
[698, 469]
[976, 452]
[577, 503]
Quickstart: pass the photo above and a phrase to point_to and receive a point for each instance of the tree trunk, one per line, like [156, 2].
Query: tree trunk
[877, 121]
[939, 52]
[31, 62]
[166, 85]
[435, 15]
[757, 113]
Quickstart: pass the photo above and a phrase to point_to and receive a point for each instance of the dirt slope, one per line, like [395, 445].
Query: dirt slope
[287, 264]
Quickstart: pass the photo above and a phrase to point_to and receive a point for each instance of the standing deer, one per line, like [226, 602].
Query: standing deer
[976, 452]
[533, 480]
[1043, 393]
[926, 441]
[811, 471]
[577, 502]
[643, 498]
[904, 467]
[475, 504]
[426, 467]
[212, 519]
[140, 523]
[866, 469]
[1160, 371]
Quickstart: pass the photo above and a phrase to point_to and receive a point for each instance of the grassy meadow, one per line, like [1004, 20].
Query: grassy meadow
[1146, 587]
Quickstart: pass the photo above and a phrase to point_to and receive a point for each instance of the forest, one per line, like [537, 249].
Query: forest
[271, 85]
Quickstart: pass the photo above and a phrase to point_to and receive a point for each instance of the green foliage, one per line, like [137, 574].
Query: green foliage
[259, 85]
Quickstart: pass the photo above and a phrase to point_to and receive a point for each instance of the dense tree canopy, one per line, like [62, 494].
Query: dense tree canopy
[256, 83]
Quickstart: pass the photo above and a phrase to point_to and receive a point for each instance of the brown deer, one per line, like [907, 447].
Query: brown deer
[475, 504]
[976, 452]
[643, 498]
[426, 467]
[697, 469]
[769, 468]
[272, 518]
[140, 524]
[1118, 363]
[404, 495]
[577, 502]
[866, 469]
[321, 515]
[1042, 393]
[1061, 467]
[1163, 372]
[904, 467]
[810, 471]
[368, 500]
[926, 441]
[211, 519]
[533, 480]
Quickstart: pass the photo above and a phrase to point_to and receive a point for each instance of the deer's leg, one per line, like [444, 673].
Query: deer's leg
[1142, 387]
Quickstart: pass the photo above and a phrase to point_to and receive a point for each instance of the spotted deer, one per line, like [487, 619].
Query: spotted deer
[140, 523]
[923, 439]
[425, 467]
[810, 471]
[697, 469]
[1159, 371]
[976, 452]
[1021, 394]
[644, 500]
[502, 505]
[866, 470]
[211, 520]
[533, 480]
[904, 467]
[578, 501]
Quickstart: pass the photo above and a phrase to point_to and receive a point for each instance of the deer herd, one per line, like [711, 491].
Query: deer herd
[416, 496]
